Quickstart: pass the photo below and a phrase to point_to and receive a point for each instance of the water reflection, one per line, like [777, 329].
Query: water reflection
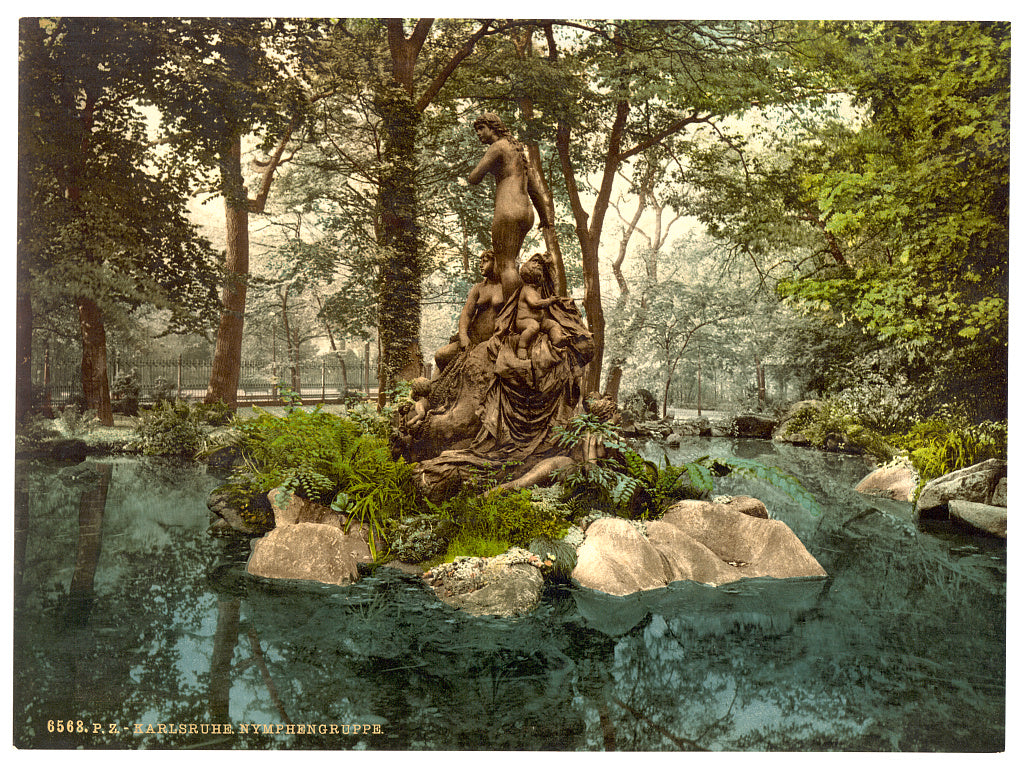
[128, 613]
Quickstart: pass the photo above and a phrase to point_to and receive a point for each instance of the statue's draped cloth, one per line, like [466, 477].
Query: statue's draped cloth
[523, 401]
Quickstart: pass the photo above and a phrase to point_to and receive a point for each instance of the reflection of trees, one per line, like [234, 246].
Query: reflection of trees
[90, 539]
[897, 654]
[137, 657]
[224, 641]
[907, 640]
[388, 652]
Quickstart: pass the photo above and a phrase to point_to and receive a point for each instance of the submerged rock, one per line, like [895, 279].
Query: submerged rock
[507, 585]
[985, 517]
[225, 515]
[701, 541]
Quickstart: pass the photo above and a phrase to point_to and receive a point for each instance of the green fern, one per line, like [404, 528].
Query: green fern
[771, 475]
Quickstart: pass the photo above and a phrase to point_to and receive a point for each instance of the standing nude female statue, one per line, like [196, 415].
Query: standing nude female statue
[517, 192]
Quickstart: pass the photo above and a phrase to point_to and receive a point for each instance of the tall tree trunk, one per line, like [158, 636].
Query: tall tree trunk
[334, 347]
[762, 396]
[664, 398]
[291, 342]
[588, 231]
[94, 361]
[524, 47]
[23, 346]
[700, 368]
[227, 356]
[611, 386]
[400, 275]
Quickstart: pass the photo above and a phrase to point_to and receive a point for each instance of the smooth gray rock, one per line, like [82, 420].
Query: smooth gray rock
[756, 426]
[999, 494]
[509, 584]
[986, 517]
[973, 483]
[511, 590]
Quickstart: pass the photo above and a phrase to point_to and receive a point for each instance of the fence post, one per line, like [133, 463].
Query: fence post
[366, 368]
[323, 380]
[47, 403]
[179, 377]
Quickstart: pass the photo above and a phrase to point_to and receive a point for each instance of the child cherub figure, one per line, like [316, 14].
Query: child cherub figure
[532, 315]
[420, 394]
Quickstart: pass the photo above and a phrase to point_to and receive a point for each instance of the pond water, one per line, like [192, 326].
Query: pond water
[129, 616]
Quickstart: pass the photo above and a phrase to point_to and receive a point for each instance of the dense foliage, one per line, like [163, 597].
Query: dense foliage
[625, 484]
[325, 458]
[489, 525]
[948, 441]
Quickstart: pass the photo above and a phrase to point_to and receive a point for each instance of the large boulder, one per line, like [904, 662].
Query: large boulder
[754, 545]
[617, 559]
[786, 432]
[309, 551]
[700, 541]
[754, 426]
[976, 483]
[890, 482]
[685, 558]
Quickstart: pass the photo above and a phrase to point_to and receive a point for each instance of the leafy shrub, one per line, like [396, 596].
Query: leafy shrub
[627, 485]
[883, 402]
[624, 483]
[329, 459]
[124, 393]
[77, 421]
[163, 390]
[833, 421]
[171, 429]
[369, 420]
[217, 413]
[34, 433]
[948, 441]
[641, 405]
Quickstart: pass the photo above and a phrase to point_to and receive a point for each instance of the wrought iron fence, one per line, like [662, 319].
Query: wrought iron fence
[57, 380]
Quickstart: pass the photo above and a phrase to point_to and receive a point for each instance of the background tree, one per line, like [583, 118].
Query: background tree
[103, 221]
[232, 78]
[895, 221]
[633, 85]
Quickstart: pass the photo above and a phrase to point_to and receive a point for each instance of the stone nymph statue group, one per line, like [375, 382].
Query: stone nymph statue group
[512, 372]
